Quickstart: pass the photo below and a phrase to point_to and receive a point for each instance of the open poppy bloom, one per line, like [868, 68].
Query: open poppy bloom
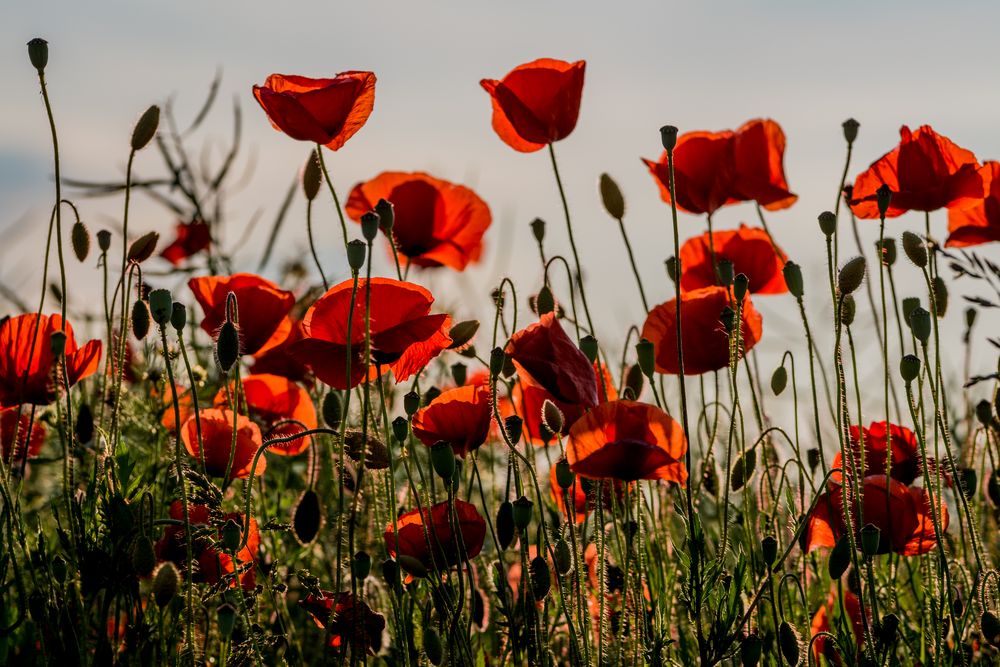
[461, 417]
[821, 622]
[323, 111]
[217, 436]
[545, 354]
[748, 248]
[213, 562]
[902, 443]
[715, 169]
[442, 547]
[583, 502]
[979, 222]
[26, 370]
[346, 619]
[435, 223]
[925, 172]
[191, 238]
[528, 398]
[11, 425]
[271, 400]
[901, 513]
[536, 103]
[704, 338]
[278, 359]
[404, 335]
[627, 441]
[262, 307]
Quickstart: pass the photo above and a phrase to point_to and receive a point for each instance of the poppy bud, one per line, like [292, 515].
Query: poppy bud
[645, 353]
[541, 578]
[140, 319]
[505, 524]
[161, 306]
[990, 625]
[390, 573]
[538, 229]
[920, 324]
[588, 345]
[967, 480]
[828, 223]
[769, 549]
[432, 646]
[84, 425]
[544, 303]
[307, 517]
[361, 565]
[166, 581]
[563, 556]
[312, 176]
[850, 130]
[104, 240]
[369, 225]
[851, 275]
[145, 128]
[743, 469]
[552, 416]
[80, 239]
[458, 373]
[671, 265]
[462, 333]
[633, 380]
[668, 137]
[227, 346]
[848, 309]
[788, 641]
[356, 253]
[497, 361]
[940, 291]
[984, 413]
[870, 537]
[522, 513]
[915, 249]
[886, 249]
[779, 379]
[611, 197]
[178, 316]
[728, 319]
[143, 556]
[887, 630]
[741, 285]
[57, 343]
[812, 457]
[226, 615]
[332, 409]
[38, 53]
[793, 278]
[513, 426]
[750, 650]
[443, 459]
[232, 534]
[909, 368]
[883, 197]
[386, 215]
[411, 403]
[564, 476]
[970, 317]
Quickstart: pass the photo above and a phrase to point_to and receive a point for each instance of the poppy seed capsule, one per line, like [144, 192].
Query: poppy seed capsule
[725, 270]
[161, 306]
[227, 346]
[538, 229]
[369, 225]
[910, 304]
[848, 308]
[386, 215]
[57, 343]
[750, 650]
[883, 197]
[915, 249]
[497, 361]
[145, 128]
[522, 513]
[668, 137]
[788, 641]
[588, 345]
[361, 566]
[390, 573]
[80, 239]
[312, 176]
[104, 240]
[513, 426]
[827, 223]
[920, 324]
[544, 303]
[793, 278]
[940, 291]
[232, 534]
[505, 524]
[769, 549]
[741, 284]
[356, 253]
[611, 197]
[850, 130]
[851, 275]
[886, 249]
[226, 615]
[564, 476]
[909, 368]
[645, 353]
[140, 319]
[178, 317]
[166, 581]
[984, 413]
[459, 373]
[443, 460]
[779, 379]
[411, 403]
[38, 53]
[400, 429]
[870, 537]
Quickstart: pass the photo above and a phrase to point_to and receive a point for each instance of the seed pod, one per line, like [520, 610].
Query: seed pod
[225, 613]
[563, 556]
[443, 460]
[38, 53]
[564, 476]
[369, 225]
[544, 303]
[411, 403]
[386, 215]
[497, 360]
[915, 249]
[505, 524]
[513, 426]
[459, 373]
[80, 239]
[145, 128]
[827, 223]
[104, 240]
[552, 416]
[166, 581]
[883, 197]
[851, 275]
[840, 558]
[538, 229]
[611, 197]
[741, 285]
[779, 379]
[361, 565]
[940, 290]
[178, 317]
[432, 646]
[357, 251]
[886, 249]
[307, 517]
[793, 278]
[227, 346]
[750, 650]
[143, 556]
[668, 137]
[84, 425]
[909, 368]
[984, 413]
[726, 274]
[788, 641]
[140, 319]
[850, 130]
[743, 469]
[645, 354]
[390, 573]
[588, 345]
[769, 549]
[870, 538]
[312, 176]
[920, 324]
[541, 578]
[462, 333]
[634, 381]
[522, 513]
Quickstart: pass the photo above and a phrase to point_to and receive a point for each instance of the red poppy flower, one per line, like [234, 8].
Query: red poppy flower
[748, 248]
[715, 169]
[461, 417]
[906, 465]
[26, 372]
[979, 222]
[925, 172]
[271, 400]
[528, 398]
[583, 502]
[404, 335]
[346, 618]
[546, 355]
[323, 111]
[536, 103]
[262, 307]
[706, 344]
[213, 563]
[10, 424]
[191, 238]
[627, 440]
[441, 547]
[435, 223]
[902, 513]
[821, 622]
[217, 436]
[278, 359]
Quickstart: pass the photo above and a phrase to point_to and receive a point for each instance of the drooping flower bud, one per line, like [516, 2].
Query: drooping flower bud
[612, 198]
[227, 346]
[915, 249]
[513, 426]
[840, 558]
[870, 537]
[779, 379]
[307, 517]
[552, 416]
[850, 276]
[312, 176]
[541, 578]
[588, 345]
[545, 302]
[741, 284]
[538, 229]
[225, 613]
[145, 128]
[443, 460]
[793, 278]
[505, 524]
[140, 319]
[522, 513]
[178, 316]
[645, 353]
[940, 290]
[80, 240]
[788, 642]
[769, 550]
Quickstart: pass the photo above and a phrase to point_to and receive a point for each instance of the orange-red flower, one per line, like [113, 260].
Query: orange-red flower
[925, 172]
[435, 223]
[905, 456]
[536, 103]
[714, 169]
[278, 359]
[628, 441]
[979, 222]
[272, 400]
[346, 618]
[748, 248]
[217, 437]
[191, 238]
[705, 342]
[545, 354]
[461, 417]
[323, 111]
[441, 547]
[26, 370]
[10, 424]
[528, 398]
[213, 562]
[404, 335]
[821, 622]
[263, 308]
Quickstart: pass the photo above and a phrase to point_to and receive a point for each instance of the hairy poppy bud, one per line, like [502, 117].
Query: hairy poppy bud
[612, 198]
[883, 197]
[462, 333]
[645, 353]
[564, 476]
[915, 249]
[38, 53]
[161, 306]
[588, 345]
[940, 291]
[967, 482]
[356, 253]
[633, 380]
[813, 458]
[920, 324]
[743, 469]
[788, 642]
[850, 130]
[332, 409]
[142, 248]
[227, 346]
[563, 556]
[513, 426]
[505, 524]
[544, 303]
[226, 615]
[541, 578]
[143, 556]
[750, 650]
[984, 413]
[497, 361]
[522, 513]
[80, 239]
[886, 249]
[993, 488]
[538, 229]
[312, 176]
[145, 128]
[909, 368]
[668, 137]
[827, 223]
[769, 549]
[57, 343]
[552, 416]
[140, 319]
[178, 316]
[361, 565]
[851, 275]
[443, 459]
[459, 373]
[232, 534]
[307, 517]
[741, 284]
[386, 215]
[990, 625]
[104, 240]
[793, 278]
[870, 537]
[369, 225]
[728, 319]
[778, 380]
[848, 308]
[166, 581]
[671, 264]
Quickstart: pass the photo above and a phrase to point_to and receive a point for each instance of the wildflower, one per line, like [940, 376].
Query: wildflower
[527, 399]
[217, 438]
[190, 239]
[461, 417]
[346, 619]
[441, 547]
[546, 355]
[748, 248]
[979, 222]
[271, 400]
[902, 444]
[262, 307]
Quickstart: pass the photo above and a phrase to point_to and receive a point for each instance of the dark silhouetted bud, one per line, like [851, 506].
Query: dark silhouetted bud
[361, 565]
[886, 249]
[541, 578]
[84, 425]
[80, 239]
[743, 469]
[227, 346]
[497, 361]
[140, 319]
[307, 517]
[564, 476]
[369, 225]
[915, 249]
[920, 324]
[443, 459]
[788, 642]
[990, 625]
[563, 556]
[411, 403]
[779, 379]
[312, 176]
[386, 216]
[887, 630]
[848, 309]
[104, 240]
[668, 137]
[750, 650]
[513, 426]
[909, 368]
[145, 128]
[828, 223]
[544, 302]
[232, 535]
[226, 615]
[178, 317]
[390, 573]
[57, 343]
[462, 333]
[645, 353]
[725, 270]
[588, 345]
[769, 549]
[332, 409]
[883, 197]
[612, 198]
[993, 488]
[459, 373]
[984, 413]
[793, 278]
[851, 275]
[910, 303]
[142, 248]
[634, 381]
[870, 537]
[38, 53]
[538, 229]
[671, 265]
[357, 251]
[850, 130]
[505, 524]
[813, 458]
[741, 284]
[143, 556]
[166, 581]
[967, 482]
[940, 296]
[401, 429]
[161, 306]
[522, 513]
[552, 416]
[970, 317]
[432, 646]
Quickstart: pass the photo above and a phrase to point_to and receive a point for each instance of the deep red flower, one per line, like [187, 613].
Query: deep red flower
[10, 424]
[262, 307]
[706, 344]
[906, 465]
[278, 359]
[536, 103]
[213, 563]
[925, 172]
[821, 622]
[545, 354]
[441, 547]
[628, 441]
[528, 398]
[902, 513]
[271, 400]
[26, 371]
[979, 222]
[217, 436]
[404, 335]
[435, 223]
[190, 239]
[715, 169]
[346, 618]
[461, 417]
[323, 111]
[748, 248]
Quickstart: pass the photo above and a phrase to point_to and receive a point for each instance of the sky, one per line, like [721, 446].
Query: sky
[696, 65]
